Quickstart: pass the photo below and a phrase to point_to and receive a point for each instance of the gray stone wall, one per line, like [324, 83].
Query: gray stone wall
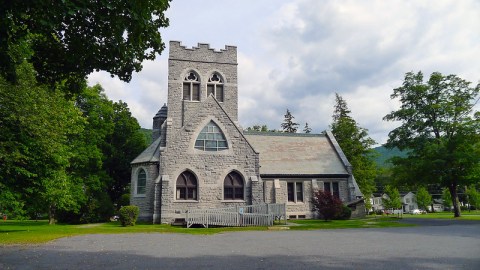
[210, 168]
[144, 201]
[276, 192]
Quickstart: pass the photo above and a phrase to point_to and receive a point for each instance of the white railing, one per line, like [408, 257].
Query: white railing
[249, 215]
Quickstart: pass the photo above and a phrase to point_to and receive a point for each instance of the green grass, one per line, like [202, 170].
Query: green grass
[37, 232]
[369, 222]
[465, 215]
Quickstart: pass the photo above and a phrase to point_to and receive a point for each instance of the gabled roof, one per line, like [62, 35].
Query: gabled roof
[292, 154]
[151, 154]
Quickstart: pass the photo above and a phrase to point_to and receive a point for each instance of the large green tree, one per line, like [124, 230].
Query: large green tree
[356, 144]
[68, 157]
[439, 129]
[123, 145]
[36, 127]
[70, 39]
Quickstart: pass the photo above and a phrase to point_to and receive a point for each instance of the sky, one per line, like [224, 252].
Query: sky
[296, 54]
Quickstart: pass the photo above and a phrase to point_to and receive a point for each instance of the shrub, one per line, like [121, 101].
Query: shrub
[326, 205]
[124, 200]
[345, 213]
[128, 215]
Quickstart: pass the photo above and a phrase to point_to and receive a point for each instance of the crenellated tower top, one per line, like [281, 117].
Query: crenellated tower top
[203, 53]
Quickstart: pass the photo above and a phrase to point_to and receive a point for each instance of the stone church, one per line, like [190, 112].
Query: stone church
[201, 157]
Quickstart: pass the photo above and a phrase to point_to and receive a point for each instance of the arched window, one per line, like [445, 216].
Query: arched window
[186, 186]
[141, 182]
[233, 187]
[191, 87]
[215, 86]
[211, 138]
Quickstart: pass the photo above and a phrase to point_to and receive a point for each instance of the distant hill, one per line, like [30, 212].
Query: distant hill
[384, 154]
[148, 135]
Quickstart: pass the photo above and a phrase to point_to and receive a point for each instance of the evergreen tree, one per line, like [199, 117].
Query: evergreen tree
[307, 129]
[356, 144]
[288, 124]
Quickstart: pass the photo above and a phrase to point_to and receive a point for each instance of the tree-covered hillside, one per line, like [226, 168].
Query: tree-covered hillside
[384, 154]
[148, 135]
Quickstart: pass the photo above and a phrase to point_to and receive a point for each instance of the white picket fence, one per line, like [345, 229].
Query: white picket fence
[250, 215]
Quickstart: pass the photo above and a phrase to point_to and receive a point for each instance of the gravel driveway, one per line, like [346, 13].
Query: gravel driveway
[437, 245]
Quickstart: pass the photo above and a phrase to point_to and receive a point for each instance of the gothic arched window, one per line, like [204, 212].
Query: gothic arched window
[191, 87]
[186, 186]
[141, 182]
[211, 138]
[233, 187]
[215, 86]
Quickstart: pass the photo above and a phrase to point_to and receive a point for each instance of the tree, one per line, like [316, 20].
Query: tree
[70, 39]
[258, 128]
[307, 129]
[473, 196]
[124, 144]
[446, 198]
[424, 199]
[288, 124]
[356, 145]
[393, 200]
[36, 128]
[326, 205]
[439, 129]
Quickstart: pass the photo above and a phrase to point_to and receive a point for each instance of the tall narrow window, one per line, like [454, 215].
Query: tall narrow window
[191, 87]
[215, 87]
[141, 182]
[211, 138]
[295, 191]
[186, 186]
[233, 187]
[332, 187]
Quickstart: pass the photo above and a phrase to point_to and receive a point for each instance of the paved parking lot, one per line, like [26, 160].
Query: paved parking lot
[435, 245]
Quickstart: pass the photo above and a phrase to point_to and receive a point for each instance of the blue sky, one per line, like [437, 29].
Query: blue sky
[296, 54]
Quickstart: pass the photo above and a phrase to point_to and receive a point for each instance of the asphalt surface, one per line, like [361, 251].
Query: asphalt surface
[435, 244]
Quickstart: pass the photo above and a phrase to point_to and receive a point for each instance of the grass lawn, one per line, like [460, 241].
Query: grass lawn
[369, 222]
[36, 232]
[465, 215]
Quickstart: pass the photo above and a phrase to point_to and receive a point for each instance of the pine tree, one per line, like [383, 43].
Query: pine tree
[356, 144]
[307, 129]
[288, 125]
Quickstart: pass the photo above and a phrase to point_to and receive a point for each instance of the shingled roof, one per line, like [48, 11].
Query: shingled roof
[151, 154]
[292, 154]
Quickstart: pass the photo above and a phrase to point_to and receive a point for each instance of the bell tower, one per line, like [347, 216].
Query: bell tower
[197, 74]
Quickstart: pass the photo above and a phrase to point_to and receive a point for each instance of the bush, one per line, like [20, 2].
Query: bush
[128, 215]
[326, 205]
[345, 214]
[124, 200]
